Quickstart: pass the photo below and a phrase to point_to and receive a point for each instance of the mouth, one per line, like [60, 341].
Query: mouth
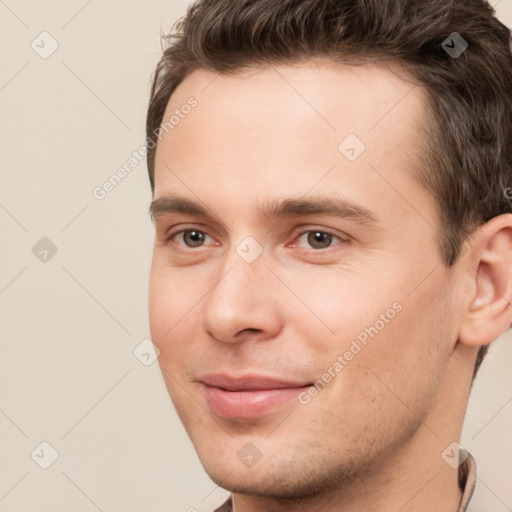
[248, 396]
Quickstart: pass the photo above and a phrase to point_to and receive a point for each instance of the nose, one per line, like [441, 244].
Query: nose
[243, 304]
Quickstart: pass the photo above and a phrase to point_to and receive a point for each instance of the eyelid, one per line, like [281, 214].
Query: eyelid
[186, 226]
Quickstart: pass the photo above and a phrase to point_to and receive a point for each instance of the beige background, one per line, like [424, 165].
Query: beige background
[68, 375]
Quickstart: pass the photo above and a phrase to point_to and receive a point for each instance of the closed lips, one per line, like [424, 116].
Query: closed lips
[249, 383]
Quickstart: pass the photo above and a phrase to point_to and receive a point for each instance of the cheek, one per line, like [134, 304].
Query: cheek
[382, 337]
[172, 318]
[408, 356]
[171, 305]
[337, 306]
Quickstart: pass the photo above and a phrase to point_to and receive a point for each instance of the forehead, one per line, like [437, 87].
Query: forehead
[290, 124]
[341, 95]
[328, 96]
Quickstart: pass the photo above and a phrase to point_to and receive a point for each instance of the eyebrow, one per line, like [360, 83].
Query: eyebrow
[318, 205]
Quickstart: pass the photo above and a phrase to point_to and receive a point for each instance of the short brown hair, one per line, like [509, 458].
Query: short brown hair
[468, 151]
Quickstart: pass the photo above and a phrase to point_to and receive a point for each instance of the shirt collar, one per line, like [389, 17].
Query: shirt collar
[467, 478]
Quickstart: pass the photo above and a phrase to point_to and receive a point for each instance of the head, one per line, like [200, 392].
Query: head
[370, 124]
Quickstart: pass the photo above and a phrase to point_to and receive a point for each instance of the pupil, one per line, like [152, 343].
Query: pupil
[194, 237]
[317, 239]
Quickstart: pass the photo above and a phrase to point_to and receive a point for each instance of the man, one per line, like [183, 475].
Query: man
[333, 249]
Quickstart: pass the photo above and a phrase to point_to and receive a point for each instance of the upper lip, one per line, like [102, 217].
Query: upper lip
[248, 382]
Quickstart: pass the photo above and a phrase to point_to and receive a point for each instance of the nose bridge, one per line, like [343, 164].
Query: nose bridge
[240, 281]
[241, 298]
[244, 267]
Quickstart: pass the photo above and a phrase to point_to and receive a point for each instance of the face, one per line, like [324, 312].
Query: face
[296, 285]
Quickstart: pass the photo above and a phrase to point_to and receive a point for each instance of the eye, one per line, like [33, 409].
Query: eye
[317, 239]
[190, 237]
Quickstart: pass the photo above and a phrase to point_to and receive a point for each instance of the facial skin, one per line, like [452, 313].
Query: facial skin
[269, 135]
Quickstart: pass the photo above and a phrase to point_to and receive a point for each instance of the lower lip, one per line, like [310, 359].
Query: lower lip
[248, 404]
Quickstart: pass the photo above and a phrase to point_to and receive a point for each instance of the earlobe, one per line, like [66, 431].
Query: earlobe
[490, 311]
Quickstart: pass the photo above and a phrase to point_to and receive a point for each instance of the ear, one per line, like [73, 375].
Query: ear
[490, 310]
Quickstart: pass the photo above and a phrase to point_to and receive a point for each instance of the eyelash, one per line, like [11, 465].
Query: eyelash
[171, 235]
